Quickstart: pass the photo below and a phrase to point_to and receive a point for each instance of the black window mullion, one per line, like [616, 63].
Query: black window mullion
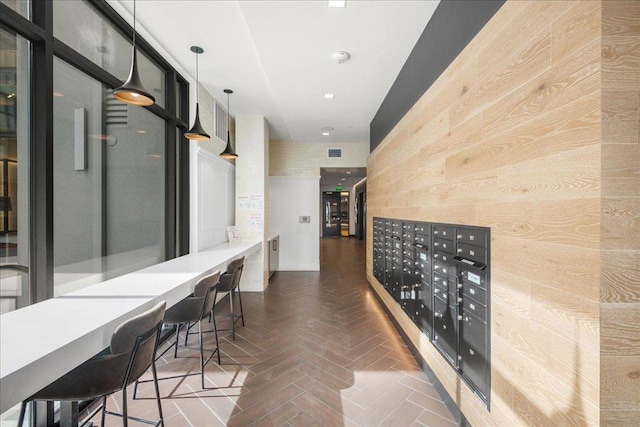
[183, 182]
[90, 68]
[170, 166]
[42, 156]
[183, 171]
[20, 24]
[123, 26]
[41, 172]
[170, 190]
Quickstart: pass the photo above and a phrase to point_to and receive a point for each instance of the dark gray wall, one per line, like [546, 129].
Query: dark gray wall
[453, 25]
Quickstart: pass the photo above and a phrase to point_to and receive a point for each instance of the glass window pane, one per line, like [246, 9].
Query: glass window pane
[83, 28]
[23, 7]
[109, 183]
[15, 59]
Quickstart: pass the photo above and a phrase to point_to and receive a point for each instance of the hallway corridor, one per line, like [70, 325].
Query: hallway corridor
[317, 350]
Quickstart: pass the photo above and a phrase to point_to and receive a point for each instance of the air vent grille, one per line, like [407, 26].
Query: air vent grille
[117, 112]
[221, 122]
[334, 153]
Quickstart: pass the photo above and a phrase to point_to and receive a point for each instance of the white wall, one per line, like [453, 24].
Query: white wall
[252, 170]
[289, 198]
[212, 194]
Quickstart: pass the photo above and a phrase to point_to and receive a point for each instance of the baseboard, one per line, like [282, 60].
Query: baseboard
[444, 394]
[299, 267]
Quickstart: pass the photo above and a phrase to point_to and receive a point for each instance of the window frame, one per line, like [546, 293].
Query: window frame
[44, 47]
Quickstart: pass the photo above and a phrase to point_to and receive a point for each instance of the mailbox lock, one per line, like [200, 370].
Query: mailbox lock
[471, 352]
[459, 300]
[438, 314]
[459, 357]
[459, 285]
[459, 317]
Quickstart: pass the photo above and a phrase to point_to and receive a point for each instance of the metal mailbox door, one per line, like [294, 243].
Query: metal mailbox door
[445, 336]
[473, 352]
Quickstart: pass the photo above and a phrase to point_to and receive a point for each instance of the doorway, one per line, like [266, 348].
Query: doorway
[344, 214]
[331, 215]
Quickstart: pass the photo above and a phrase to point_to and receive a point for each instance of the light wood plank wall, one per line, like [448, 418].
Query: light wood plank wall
[533, 131]
[620, 219]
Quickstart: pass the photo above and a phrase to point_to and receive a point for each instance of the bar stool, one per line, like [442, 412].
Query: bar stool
[131, 352]
[229, 285]
[189, 312]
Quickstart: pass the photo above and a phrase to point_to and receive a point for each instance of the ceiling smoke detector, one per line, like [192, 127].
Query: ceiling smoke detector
[341, 56]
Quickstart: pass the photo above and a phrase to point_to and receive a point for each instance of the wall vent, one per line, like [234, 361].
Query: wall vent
[334, 153]
[117, 112]
[221, 122]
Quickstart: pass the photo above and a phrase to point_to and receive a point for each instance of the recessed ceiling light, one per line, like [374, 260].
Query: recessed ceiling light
[325, 133]
[348, 172]
[58, 94]
[343, 179]
[142, 131]
[329, 96]
[336, 3]
[11, 95]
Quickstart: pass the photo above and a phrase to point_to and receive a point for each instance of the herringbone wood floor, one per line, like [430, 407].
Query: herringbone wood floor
[317, 350]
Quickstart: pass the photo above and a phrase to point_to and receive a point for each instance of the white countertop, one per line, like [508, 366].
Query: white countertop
[42, 342]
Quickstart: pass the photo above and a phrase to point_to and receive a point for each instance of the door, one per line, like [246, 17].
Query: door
[344, 214]
[360, 217]
[331, 214]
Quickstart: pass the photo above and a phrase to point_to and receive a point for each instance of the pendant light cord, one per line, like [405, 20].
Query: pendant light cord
[134, 24]
[197, 81]
[228, 116]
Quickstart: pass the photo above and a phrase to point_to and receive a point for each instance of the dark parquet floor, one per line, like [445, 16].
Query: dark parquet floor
[316, 350]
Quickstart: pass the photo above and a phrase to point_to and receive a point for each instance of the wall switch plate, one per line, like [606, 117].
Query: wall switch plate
[305, 219]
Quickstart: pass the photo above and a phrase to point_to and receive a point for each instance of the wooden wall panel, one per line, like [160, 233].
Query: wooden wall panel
[573, 222]
[510, 137]
[620, 222]
[620, 276]
[576, 175]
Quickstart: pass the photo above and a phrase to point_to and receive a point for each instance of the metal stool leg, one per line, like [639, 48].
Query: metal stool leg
[104, 409]
[155, 383]
[240, 299]
[125, 417]
[215, 331]
[233, 316]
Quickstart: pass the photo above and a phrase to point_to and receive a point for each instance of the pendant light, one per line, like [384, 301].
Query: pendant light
[132, 91]
[197, 132]
[228, 152]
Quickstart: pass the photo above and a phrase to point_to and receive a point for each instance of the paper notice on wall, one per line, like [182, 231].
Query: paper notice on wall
[257, 202]
[256, 221]
[244, 202]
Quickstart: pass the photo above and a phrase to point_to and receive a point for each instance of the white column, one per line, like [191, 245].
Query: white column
[252, 172]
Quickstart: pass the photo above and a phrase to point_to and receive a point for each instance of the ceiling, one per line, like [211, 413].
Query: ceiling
[346, 177]
[277, 57]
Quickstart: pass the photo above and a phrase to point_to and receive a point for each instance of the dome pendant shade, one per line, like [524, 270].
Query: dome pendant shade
[197, 132]
[132, 91]
[228, 152]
